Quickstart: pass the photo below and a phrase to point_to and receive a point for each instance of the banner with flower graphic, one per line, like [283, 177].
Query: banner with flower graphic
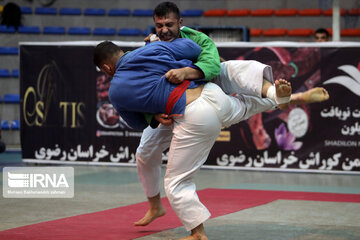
[322, 136]
[67, 116]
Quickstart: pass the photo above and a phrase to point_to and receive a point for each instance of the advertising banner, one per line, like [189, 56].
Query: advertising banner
[65, 112]
[319, 136]
[66, 115]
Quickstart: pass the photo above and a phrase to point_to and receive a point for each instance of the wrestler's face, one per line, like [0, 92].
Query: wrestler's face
[321, 37]
[167, 27]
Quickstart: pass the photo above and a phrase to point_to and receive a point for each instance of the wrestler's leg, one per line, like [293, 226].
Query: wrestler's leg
[194, 136]
[260, 137]
[156, 209]
[257, 105]
[244, 77]
[149, 159]
[254, 78]
[251, 78]
[283, 91]
[312, 95]
[265, 87]
[197, 233]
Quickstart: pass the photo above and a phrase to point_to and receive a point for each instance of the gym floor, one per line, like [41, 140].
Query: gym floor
[99, 188]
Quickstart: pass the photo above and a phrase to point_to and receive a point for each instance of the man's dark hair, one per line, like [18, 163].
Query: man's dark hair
[323, 30]
[165, 8]
[11, 15]
[104, 51]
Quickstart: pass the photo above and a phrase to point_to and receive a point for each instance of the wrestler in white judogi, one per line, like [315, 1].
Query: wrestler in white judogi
[244, 77]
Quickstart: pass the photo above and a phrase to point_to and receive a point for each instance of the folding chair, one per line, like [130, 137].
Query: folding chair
[215, 13]
[29, 29]
[119, 12]
[70, 11]
[104, 31]
[94, 12]
[45, 11]
[54, 30]
[262, 12]
[239, 12]
[79, 31]
[275, 32]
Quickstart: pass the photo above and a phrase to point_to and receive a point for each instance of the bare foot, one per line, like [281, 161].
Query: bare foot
[283, 89]
[195, 237]
[197, 233]
[312, 95]
[150, 216]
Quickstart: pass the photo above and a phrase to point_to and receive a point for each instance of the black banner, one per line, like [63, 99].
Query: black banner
[315, 137]
[66, 114]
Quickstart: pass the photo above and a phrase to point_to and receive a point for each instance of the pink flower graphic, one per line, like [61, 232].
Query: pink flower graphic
[286, 140]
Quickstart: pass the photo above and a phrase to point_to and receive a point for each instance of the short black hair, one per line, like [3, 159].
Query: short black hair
[165, 8]
[104, 51]
[11, 15]
[323, 30]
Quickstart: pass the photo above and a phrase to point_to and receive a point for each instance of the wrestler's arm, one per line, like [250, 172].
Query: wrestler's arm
[154, 119]
[178, 75]
[140, 121]
[183, 48]
[208, 60]
[207, 64]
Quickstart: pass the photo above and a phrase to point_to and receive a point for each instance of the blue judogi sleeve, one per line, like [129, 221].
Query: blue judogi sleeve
[135, 120]
[183, 48]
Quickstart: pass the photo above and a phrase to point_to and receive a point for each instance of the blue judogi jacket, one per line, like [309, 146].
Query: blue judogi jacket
[139, 85]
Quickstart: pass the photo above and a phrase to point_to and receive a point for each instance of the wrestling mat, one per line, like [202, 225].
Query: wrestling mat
[117, 223]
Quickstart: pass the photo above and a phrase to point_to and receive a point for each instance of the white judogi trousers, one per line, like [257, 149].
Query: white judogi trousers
[192, 136]
[243, 77]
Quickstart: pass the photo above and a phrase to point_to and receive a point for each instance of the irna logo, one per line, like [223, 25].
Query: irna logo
[35, 180]
[38, 182]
